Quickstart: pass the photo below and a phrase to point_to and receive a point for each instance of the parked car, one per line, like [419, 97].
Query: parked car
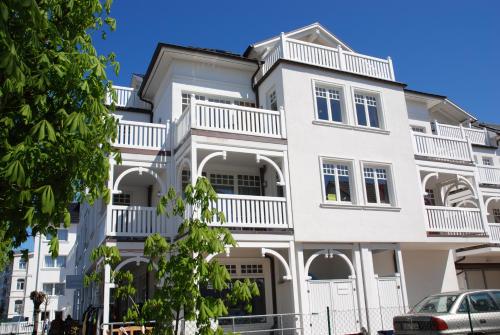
[461, 312]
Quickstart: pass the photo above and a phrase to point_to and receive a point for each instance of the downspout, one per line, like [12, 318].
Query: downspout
[254, 89]
[273, 283]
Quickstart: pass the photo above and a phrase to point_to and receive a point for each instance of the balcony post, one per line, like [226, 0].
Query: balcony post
[480, 201]
[109, 207]
[192, 102]
[282, 122]
[469, 145]
[436, 126]
[391, 68]
[462, 131]
[486, 137]
[341, 58]
[283, 45]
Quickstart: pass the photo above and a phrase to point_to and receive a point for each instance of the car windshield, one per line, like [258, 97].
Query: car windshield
[435, 304]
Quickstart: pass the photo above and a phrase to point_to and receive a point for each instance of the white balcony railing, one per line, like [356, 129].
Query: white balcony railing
[230, 119]
[142, 135]
[253, 211]
[442, 148]
[454, 220]
[476, 136]
[489, 174]
[495, 232]
[126, 97]
[136, 221]
[333, 58]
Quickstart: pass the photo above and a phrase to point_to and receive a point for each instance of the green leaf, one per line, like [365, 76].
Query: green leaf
[44, 129]
[15, 172]
[54, 246]
[48, 201]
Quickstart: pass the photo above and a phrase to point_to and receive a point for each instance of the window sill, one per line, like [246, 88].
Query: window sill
[351, 127]
[381, 208]
[51, 269]
[339, 205]
[360, 207]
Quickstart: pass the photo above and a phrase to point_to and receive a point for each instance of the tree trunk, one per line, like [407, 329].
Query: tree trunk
[36, 312]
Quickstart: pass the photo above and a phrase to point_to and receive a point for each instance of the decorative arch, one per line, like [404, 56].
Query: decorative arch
[212, 256]
[141, 170]
[427, 178]
[329, 253]
[490, 199]
[467, 201]
[445, 193]
[184, 163]
[138, 259]
[259, 157]
[209, 157]
[288, 273]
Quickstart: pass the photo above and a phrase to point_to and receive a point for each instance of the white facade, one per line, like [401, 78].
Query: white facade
[343, 188]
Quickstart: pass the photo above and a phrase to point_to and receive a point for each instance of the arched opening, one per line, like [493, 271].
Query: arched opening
[448, 190]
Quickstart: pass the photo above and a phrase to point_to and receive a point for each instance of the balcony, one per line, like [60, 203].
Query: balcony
[246, 211]
[226, 118]
[475, 136]
[142, 135]
[127, 98]
[489, 175]
[494, 232]
[454, 220]
[327, 57]
[442, 148]
[136, 221]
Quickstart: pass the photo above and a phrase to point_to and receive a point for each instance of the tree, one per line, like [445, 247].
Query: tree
[38, 298]
[55, 129]
[182, 269]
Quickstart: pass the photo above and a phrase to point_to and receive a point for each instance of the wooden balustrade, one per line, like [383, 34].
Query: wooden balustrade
[476, 136]
[454, 220]
[126, 97]
[253, 211]
[442, 148]
[495, 232]
[489, 174]
[142, 135]
[136, 221]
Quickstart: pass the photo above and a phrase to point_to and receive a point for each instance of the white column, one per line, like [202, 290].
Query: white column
[391, 68]
[283, 45]
[401, 271]
[109, 211]
[370, 285]
[341, 58]
[295, 286]
[301, 276]
[356, 257]
[106, 293]
[192, 110]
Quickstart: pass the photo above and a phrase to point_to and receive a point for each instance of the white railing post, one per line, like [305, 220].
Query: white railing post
[486, 137]
[284, 47]
[192, 106]
[462, 131]
[341, 58]
[282, 122]
[391, 68]
[469, 146]
[436, 126]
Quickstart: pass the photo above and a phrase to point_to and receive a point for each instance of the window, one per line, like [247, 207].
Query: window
[121, 199]
[62, 235]
[429, 198]
[487, 161]
[54, 288]
[418, 129]
[20, 284]
[222, 183]
[478, 303]
[328, 104]
[272, 101]
[18, 307]
[186, 98]
[376, 185]
[185, 179]
[22, 264]
[336, 183]
[367, 110]
[244, 103]
[496, 215]
[58, 262]
[248, 185]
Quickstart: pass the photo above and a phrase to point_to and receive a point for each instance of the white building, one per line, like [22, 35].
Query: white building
[43, 273]
[343, 188]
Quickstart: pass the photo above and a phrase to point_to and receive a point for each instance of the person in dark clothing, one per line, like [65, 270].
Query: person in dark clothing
[57, 326]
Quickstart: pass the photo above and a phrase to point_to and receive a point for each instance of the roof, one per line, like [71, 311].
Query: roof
[491, 126]
[432, 95]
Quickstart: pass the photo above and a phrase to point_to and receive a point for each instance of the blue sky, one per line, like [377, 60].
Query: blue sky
[449, 47]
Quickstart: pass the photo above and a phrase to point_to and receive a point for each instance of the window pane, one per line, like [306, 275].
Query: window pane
[345, 190]
[336, 110]
[61, 261]
[482, 302]
[360, 113]
[383, 191]
[49, 262]
[330, 190]
[322, 108]
[62, 234]
[59, 289]
[47, 289]
[371, 194]
[373, 114]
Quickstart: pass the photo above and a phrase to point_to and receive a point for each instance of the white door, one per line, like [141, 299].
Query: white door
[390, 301]
[339, 298]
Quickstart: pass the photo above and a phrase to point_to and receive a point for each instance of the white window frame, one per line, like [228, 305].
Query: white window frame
[417, 129]
[269, 101]
[235, 175]
[343, 106]
[380, 108]
[47, 237]
[22, 261]
[20, 282]
[393, 201]
[55, 262]
[21, 309]
[487, 159]
[53, 288]
[337, 161]
[496, 215]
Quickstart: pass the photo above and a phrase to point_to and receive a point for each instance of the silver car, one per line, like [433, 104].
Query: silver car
[461, 312]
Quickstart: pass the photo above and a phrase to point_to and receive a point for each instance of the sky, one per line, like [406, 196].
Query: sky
[448, 47]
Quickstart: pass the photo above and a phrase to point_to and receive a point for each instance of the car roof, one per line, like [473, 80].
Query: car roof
[465, 291]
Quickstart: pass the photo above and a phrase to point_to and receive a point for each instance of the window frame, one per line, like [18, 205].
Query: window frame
[55, 262]
[20, 282]
[22, 261]
[343, 105]
[48, 237]
[350, 166]
[21, 309]
[379, 104]
[393, 199]
[488, 159]
[270, 93]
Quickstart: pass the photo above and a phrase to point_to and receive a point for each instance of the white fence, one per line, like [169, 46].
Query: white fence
[24, 327]
[495, 232]
[454, 220]
[489, 174]
[253, 211]
[126, 97]
[476, 136]
[142, 135]
[333, 58]
[442, 147]
[136, 221]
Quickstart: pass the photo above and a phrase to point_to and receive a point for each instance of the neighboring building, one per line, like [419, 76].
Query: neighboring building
[343, 188]
[17, 280]
[5, 279]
